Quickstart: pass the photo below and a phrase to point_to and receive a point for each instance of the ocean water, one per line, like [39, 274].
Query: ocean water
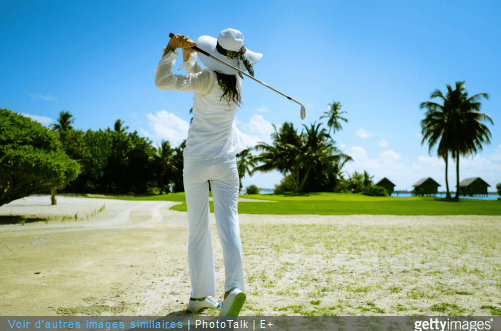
[441, 195]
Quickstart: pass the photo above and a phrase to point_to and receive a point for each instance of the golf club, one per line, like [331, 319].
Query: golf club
[303, 110]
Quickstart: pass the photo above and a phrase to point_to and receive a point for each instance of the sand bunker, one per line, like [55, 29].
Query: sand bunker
[130, 259]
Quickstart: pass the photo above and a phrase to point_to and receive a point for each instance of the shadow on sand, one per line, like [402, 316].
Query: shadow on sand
[181, 313]
[21, 220]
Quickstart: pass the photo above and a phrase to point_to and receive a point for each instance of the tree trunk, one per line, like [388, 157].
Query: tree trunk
[448, 194]
[304, 179]
[53, 196]
[296, 180]
[457, 178]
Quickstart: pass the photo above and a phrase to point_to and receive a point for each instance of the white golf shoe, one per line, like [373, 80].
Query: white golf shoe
[196, 305]
[233, 303]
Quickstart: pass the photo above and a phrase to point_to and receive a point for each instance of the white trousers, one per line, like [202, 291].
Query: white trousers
[223, 176]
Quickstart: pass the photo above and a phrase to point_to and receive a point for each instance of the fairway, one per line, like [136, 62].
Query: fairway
[348, 204]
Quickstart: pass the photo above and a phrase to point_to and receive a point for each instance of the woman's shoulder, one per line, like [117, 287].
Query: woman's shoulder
[205, 79]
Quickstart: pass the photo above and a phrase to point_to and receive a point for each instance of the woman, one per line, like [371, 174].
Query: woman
[210, 157]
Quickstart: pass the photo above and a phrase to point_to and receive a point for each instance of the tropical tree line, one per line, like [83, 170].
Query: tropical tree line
[115, 161]
[34, 159]
[455, 127]
[308, 158]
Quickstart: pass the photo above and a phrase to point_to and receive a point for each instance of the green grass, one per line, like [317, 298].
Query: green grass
[493, 310]
[348, 204]
[450, 309]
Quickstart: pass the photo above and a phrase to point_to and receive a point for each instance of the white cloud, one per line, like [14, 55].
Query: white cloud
[389, 156]
[258, 129]
[429, 161]
[497, 154]
[428, 166]
[364, 134]
[45, 97]
[262, 109]
[358, 154]
[45, 121]
[393, 166]
[167, 126]
[146, 133]
[383, 143]
[488, 169]
[261, 126]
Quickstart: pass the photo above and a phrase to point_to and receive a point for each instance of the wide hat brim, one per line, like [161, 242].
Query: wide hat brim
[208, 44]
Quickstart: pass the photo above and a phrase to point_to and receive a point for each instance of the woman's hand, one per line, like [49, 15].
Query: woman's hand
[180, 41]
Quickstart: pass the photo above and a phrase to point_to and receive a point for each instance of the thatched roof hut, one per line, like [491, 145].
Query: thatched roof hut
[426, 186]
[473, 186]
[385, 182]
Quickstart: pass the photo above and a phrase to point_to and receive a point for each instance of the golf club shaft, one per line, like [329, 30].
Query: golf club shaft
[229, 65]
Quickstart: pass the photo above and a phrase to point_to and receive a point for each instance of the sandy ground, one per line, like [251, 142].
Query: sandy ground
[108, 264]
[130, 258]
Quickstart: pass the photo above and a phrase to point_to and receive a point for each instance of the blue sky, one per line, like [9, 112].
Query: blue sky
[379, 59]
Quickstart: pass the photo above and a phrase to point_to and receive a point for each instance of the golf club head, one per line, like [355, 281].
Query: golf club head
[303, 112]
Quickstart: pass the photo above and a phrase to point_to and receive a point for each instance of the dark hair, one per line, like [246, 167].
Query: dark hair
[229, 85]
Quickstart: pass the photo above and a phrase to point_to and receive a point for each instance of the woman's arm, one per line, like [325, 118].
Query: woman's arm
[197, 80]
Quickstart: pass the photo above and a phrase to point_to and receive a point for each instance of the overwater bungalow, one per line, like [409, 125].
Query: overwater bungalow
[473, 186]
[426, 186]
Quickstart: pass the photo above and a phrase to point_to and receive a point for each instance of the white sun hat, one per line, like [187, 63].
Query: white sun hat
[229, 47]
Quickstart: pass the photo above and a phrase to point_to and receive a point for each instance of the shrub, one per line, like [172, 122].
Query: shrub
[32, 159]
[498, 186]
[286, 185]
[375, 191]
[356, 182]
[252, 189]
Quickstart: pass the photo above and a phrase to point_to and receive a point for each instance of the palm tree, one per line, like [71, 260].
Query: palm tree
[119, 126]
[471, 132]
[456, 126]
[367, 179]
[356, 182]
[65, 120]
[339, 183]
[436, 127]
[317, 151]
[245, 164]
[297, 154]
[164, 160]
[334, 115]
[282, 154]
[178, 163]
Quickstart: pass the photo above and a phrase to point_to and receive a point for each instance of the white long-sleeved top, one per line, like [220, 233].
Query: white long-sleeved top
[213, 133]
